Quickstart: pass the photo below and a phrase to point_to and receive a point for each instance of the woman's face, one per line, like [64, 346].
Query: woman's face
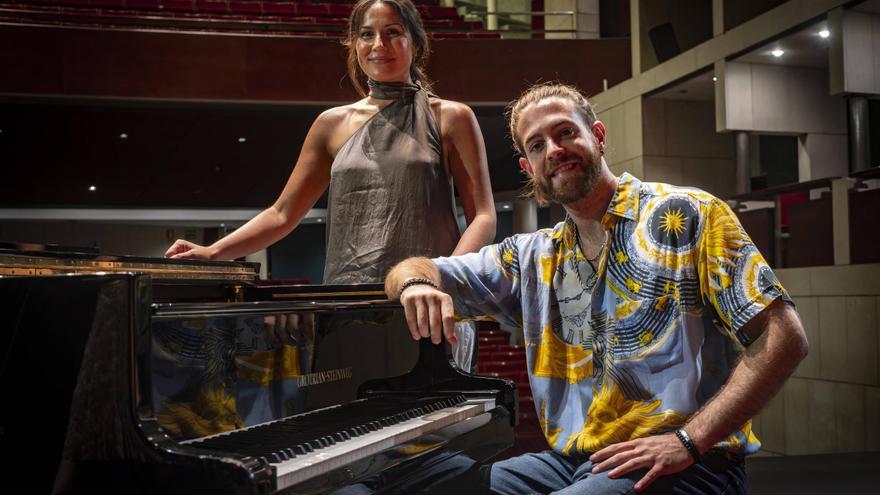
[384, 48]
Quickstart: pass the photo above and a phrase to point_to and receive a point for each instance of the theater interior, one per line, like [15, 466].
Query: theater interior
[127, 124]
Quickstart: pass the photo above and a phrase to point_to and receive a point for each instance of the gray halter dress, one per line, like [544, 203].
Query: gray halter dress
[390, 196]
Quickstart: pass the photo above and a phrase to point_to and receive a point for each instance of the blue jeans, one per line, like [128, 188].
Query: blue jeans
[550, 472]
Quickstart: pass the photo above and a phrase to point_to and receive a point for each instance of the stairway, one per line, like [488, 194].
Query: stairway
[496, 357]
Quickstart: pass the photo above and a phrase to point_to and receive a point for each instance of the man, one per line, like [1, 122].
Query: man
[654, 329]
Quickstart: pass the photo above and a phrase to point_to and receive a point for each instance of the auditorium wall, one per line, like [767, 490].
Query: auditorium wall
[832, 402]
[681, 146]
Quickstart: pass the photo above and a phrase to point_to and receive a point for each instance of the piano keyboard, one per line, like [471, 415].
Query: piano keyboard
[307, 445]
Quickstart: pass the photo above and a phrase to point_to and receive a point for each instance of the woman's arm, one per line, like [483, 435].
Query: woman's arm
[465, 154]
[307, 182]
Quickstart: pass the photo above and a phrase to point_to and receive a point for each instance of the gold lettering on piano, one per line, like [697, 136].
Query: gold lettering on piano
[324, 377]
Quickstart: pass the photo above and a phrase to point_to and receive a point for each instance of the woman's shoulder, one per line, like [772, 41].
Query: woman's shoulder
[336, 125]
[453, 114]
[341, 118]
[337, 115]
[450, 108]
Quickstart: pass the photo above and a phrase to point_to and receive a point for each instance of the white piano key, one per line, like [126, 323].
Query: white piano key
[321, 461]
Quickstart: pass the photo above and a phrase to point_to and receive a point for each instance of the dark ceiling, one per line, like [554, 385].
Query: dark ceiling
[173, 155]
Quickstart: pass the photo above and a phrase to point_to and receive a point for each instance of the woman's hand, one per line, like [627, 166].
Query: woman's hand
[183, 249]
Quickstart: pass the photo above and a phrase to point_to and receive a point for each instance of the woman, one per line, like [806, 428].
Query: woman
[387, 159]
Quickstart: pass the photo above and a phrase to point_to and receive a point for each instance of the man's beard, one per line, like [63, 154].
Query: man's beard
[568, 191]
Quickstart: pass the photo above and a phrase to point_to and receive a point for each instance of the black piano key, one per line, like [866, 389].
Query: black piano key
[312, 431]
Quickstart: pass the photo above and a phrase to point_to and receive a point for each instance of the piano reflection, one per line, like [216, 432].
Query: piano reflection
[143, 375]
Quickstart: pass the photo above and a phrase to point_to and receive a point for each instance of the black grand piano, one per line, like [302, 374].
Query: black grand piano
[139, 375]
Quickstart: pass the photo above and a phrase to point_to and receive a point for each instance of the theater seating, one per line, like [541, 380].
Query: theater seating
[324, 19]
[498, 358]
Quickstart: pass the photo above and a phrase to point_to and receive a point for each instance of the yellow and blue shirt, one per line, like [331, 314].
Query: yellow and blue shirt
[638, 344]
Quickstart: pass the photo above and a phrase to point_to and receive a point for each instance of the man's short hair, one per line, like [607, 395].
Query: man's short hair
[540, 92]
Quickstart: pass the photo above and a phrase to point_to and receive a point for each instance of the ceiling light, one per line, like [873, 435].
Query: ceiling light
[320, 220]
[222, 225]
[123, 136]
[93, 188]
[506, 207]
[242, 140]
[777, 52]
[824, 33]
[714, 78]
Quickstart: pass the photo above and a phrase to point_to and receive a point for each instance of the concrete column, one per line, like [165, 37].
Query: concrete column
[635, 37]
[743, 166]
[840, 220]
[525, 216]
[491, 17]
[859, 134]
[717, 17]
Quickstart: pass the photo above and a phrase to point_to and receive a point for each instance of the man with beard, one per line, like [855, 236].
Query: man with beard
[654, 329]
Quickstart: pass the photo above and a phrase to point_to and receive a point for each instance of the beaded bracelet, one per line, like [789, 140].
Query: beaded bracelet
[689, 444]
[415, 281]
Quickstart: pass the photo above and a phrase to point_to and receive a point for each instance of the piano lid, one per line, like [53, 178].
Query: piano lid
[46, 259]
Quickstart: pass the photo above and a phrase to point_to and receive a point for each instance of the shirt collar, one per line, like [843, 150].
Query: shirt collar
[625, 202]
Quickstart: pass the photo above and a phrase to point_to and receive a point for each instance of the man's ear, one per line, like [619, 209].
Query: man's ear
[598, 130]
[524, 165]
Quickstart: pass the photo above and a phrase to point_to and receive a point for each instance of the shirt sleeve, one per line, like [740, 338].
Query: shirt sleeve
[735, 280]
[485, 284]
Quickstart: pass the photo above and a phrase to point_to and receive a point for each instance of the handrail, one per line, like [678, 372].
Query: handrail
[871, 173]
[771, 192]
[493, 18]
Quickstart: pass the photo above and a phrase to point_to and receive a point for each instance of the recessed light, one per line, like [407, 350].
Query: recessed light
[93, 188]
[222, 225]
[123, 136]
[506, 207]
[714, 78]
[824, 33]
[242, 140]
[777, 52]
[320, 220]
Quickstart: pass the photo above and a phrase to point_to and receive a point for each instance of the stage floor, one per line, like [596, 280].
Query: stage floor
[815, 474]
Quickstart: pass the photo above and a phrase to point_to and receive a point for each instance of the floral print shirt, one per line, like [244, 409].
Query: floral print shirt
[638, 344]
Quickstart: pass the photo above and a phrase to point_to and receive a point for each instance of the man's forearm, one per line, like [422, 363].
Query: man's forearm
[759, 375]
[410, 268]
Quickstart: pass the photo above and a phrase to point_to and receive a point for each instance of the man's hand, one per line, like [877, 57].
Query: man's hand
[660, 455]
[429, 313]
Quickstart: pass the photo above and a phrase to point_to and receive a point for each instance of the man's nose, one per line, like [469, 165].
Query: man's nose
[554, 150]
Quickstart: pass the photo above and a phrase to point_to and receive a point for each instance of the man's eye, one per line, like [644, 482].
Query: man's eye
[535, 147]
[568, 131]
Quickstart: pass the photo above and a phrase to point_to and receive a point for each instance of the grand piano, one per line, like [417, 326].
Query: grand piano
[139, 375]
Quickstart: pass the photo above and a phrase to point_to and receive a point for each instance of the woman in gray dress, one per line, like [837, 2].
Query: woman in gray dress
[389, 159]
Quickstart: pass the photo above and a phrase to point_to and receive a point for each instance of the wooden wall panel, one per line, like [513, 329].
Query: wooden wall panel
[137, 64]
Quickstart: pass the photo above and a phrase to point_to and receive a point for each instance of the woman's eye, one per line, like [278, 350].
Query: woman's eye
[394, 32]
[367, 34]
